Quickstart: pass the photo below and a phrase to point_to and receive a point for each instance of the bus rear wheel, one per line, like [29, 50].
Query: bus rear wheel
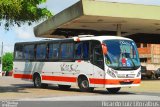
[113, 90]
[38, 83]
[64, 87]
[84, 85]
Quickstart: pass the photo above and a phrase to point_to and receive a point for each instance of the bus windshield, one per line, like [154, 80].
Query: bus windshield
[121, 54]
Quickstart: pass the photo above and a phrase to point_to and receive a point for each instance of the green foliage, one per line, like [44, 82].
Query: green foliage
[21, 11]
[7, 62]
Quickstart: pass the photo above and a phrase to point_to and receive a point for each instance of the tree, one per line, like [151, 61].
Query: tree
[7, 62]
[18, 12]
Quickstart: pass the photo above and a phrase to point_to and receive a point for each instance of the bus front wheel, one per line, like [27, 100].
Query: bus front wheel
[113, 90]
[84, 85]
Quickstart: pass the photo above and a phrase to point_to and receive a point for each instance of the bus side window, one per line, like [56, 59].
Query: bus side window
[67, 51]
[85, 50]
[28, 52]
[53, 51]
[82, 50]
[78, 50]
[18, 52]
[41, 51]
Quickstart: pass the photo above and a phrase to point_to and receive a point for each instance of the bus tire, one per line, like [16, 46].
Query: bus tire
[37, 81]
[113, 90]
[84, 85]
[64, 87]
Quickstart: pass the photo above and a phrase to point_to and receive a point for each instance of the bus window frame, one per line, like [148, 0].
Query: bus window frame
[60, 53]
[89, 53]
[52, 59]
[35, 49]
[14, 58]
[59, 59]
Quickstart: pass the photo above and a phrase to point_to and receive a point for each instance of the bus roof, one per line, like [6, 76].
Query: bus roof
[101, 38]
[84, 38]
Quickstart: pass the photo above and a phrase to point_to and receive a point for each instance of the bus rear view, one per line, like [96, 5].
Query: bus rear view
[85, 61]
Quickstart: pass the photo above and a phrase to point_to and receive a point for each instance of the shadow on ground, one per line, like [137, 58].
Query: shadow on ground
[21, 88]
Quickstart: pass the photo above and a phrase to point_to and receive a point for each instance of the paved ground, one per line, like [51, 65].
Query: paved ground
[15, 89]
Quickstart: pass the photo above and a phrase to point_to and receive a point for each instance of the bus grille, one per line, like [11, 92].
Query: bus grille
[126, 75]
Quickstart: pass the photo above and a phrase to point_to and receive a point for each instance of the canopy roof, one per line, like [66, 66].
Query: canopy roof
[100, 17]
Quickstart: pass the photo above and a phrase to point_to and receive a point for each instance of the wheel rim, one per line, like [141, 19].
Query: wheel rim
[37, 81]
[84, 84]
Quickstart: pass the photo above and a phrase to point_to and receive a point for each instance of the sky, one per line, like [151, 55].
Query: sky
[25, 32]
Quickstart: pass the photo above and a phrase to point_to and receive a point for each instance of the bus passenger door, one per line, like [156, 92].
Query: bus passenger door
[98, 64]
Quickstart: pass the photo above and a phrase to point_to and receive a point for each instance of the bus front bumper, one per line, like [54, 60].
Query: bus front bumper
[122, 83]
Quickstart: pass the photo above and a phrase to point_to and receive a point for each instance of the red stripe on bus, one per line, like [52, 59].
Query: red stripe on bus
[74, 79]
[113, 81]
[24, 76]
[59, 78]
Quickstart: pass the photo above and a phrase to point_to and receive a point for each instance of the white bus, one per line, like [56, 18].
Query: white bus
[86, 61]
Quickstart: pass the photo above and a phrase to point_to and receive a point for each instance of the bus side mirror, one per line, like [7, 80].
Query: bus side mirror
[104, 49]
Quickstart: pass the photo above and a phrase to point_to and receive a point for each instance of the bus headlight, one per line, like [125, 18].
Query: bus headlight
[109, 72]
[139, 74]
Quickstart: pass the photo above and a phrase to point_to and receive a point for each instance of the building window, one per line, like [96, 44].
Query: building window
[67, 51]
[144, 45]
[138, 45]
[148, 45]
[28, 52]
[143, 59]
[53, 51]
[41, 51]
